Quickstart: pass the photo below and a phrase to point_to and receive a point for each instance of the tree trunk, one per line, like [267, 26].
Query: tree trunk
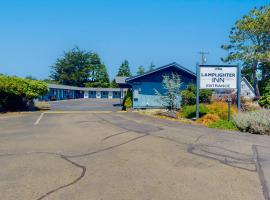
[254, 76]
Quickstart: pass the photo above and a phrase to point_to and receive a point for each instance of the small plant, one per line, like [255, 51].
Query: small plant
[189, 95]
[223, 124]
[170, 99]
[221, 109]
[264, 101]
[209, 119]
[127, 101]
[257, 122]
[190, 111]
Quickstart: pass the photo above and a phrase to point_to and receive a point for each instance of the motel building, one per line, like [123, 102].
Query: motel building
[64, 92]
[143, 88]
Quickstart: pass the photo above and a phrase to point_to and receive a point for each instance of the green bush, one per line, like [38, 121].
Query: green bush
[18, 93]
[127, 101]
[190, 111]
[223, 124]
[264, 101]
[189, 95]
[257, 122]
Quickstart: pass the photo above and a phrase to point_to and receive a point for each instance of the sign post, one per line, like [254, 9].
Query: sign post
[197, 90]
[218, 77]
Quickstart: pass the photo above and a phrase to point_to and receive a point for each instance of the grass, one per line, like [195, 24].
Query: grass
[223, 124]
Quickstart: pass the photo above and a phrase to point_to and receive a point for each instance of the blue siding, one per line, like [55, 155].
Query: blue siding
[144, 88]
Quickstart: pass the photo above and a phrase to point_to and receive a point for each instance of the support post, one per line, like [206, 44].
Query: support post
[239, 79]
[229, 108]
[197, 90]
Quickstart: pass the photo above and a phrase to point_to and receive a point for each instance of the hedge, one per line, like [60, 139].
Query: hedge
[17, 93]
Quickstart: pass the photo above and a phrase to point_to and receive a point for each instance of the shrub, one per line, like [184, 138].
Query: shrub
[221, 109]
[264, 101]
[190, 111]
[257, 122]
[189, 95]
[127, 101]
[18, 93]
[209, 119]
[223, 124]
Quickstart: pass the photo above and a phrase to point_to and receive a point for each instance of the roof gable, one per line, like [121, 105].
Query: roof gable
[174, 65]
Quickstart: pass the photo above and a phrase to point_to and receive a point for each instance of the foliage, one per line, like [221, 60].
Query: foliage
[16, 93]
[170, 99]
[101, 77]
[124, 69]
[223, 124]
[250, 42]
[78, 67]
[189, 95]
[140, 70]
[264, 101]
[151, 66]
[221, 109]
[113, 84]
[127, 101]
[208, 119]
[257, 122]
[189, 111]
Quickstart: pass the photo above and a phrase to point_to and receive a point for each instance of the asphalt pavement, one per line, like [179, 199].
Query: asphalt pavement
[127, 156]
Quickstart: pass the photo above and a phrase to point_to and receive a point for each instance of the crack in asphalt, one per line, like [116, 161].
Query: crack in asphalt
[83, 168]
[260, 172]
[191, 148]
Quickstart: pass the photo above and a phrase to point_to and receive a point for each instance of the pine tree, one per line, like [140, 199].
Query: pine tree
[124, 69]
[140, 70]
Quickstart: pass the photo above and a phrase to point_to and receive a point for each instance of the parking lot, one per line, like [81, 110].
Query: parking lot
[86, 104]
[127, 156]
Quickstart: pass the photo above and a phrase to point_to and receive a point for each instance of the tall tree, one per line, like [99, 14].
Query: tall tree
[140, 70]
[151, 66]
[124, 69]
[250, 41]
[100, 78]
[73, 68]
[80, 68]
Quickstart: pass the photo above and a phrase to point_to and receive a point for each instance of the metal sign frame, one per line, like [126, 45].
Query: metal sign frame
[198, 66]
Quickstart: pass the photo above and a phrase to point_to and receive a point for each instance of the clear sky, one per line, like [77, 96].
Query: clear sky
[34, 33]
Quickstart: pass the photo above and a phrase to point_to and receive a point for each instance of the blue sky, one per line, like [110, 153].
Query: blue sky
[35, 33]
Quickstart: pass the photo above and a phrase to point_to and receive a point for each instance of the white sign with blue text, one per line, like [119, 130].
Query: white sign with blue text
[218, 77]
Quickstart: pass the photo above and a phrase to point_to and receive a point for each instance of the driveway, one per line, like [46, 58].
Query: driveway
[127, 156]
[86, 105]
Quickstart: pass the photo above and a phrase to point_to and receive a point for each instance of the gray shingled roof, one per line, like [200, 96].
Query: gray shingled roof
[121, 79]
[67, 87]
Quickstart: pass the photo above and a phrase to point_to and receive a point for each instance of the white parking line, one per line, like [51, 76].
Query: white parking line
[39, 118]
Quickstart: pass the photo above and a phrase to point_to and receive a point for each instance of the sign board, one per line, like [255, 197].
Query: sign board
[218, 77]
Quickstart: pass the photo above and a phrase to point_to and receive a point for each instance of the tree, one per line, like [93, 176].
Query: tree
[250, 41]
[79, 68]
[74, 68]
[18, 93]
[113, 84]
[124, 69]
[30, 77]
[151, 66]
[99, 78]
[140, 70]
[171, 97]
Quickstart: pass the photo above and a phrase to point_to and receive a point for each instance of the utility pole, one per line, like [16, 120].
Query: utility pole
[204, 60]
